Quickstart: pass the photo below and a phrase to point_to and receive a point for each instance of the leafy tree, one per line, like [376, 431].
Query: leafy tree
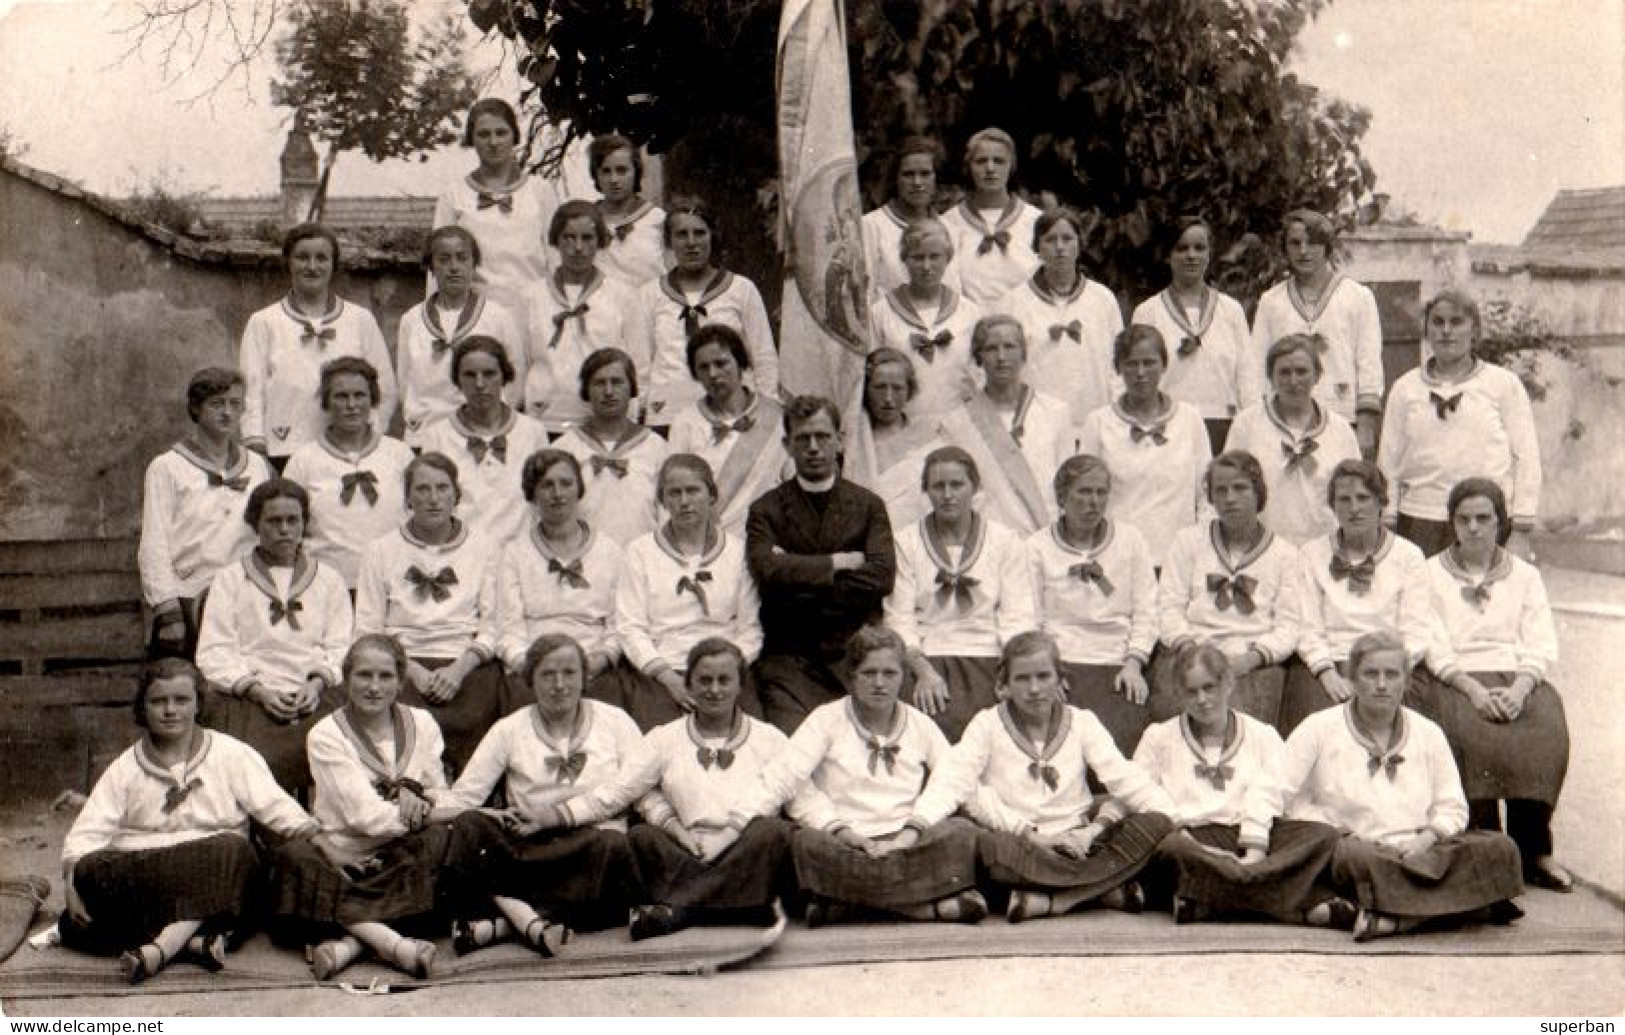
[362, 80]
[1135, 111]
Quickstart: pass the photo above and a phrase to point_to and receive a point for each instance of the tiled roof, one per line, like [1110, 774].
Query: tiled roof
[342, 214]
[1582, 219]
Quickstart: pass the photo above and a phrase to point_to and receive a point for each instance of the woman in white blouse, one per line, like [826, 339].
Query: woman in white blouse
[1489, 692]
[636, 252]
[929, 321]
[992, 229]
[619, 457]
[899, 437]
[158, 865]
[1030, 433]
[913, 183]
[963, 588]
[679, 584]
[1384, 775]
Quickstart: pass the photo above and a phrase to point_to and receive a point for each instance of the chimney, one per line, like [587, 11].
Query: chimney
[299, 174]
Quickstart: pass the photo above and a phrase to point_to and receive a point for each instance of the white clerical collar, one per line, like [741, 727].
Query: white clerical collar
[824, 486]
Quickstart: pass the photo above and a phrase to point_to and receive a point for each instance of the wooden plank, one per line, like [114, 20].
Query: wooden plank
[95, 688]
[75, 589]
[68, 555]
[114, 637]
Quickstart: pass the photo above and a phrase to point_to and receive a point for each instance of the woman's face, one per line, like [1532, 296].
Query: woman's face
[451, 260]
[310, 265]
[557, 495]
[1475, 523]
[1206, 696]
[1059, 247]
[374, 682]
[1379, 683]
[926, 260]
[1306, 258]
[221, 416]
[494, 140]
[171, 709]
[1450, 333]
[1084, 502]
[557, 682]
[885, 397]
[280, 528]
[1002, 356]
[717, 372]
[916, 181]
[1294, 376]
[1142, 370]
[1032, 685]
[479, 377]
[616, 175]
[877, 680]
[349, 404]
[1233, 496]
[609, 392]
[949, 488]
[1356, 508]
[714, 683]
[578, 245]
[990, 167]
[1191, 255]
[690, 241]
[431, 497]
[687, 499]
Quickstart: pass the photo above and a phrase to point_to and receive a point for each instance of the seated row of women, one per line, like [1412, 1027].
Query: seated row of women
[1358, 821]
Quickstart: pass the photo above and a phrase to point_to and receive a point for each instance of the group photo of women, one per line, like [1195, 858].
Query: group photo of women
[561, 613]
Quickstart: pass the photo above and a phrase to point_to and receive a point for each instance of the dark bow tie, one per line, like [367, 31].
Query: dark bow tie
[579, 314]
[1157, 434]
[720, 428]
[1320, 343]
[1000, 238]
[290, 611]
[723, 757]
[1046, 773]
[1215, 774]
[1478, 595]
[1090, 571]
[439, 347]
[220, 481]
[696, 586]
[599, 463]
[1073, 330]
[1443, 407]
[569, 574]
[623, 231]
[567, 768]
[1358, 576]
[311, 336]
[390, 789]
[366, 481]
[927, 346]
[438, 587]
[501, 201]
[1389, 764]
[956, 587]
[690, 315]
[1233, 592]
[496, 445]
[1301, 455]
[174, 797]
[881, 754]
[1189, 344]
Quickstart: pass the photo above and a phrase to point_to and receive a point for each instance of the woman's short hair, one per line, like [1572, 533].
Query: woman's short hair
[803, 408]
[694, 465]
[1059, 214]
[542, 461]
[437, 461]
[1176, 232]
[1461, 300]
[306, 232]
[916, 144]
[689, 205]
[1204, 654]
[1375, 643]
[1136, 334]
[1026, 644]
[276, 489]
[949, 455]
[1480, 488]
[164, 668]
[576, 208]
[984, 328]
[885, 355]
[208, 383]
[921, 229]
[1247, 464]
[710, 647]
[488, 345]
[1363, 471]
[450, 232]
[607, 357]
[717, 334]
[489, 106]
[1308, 344]
[350, 366]
[606, 145]
[1074, 468]
[546, 644]
[1317, 227]
[990, 135]
[380, 642]
[870, 639]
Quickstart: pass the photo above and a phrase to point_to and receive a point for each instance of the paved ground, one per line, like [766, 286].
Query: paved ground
[1590, 830]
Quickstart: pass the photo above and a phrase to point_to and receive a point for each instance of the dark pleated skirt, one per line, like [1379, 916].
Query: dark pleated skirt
[585, 878]
[1527, 758]
[1458, 875]
[403, 882]
[972, 685]
[191, 613]
[464, 719]
[131, 896]
[281, 743]
[750, 874]
[943, 863]
[1117, 857]
[643, 698]
[1430, 537]
[1094, 687]
[1286, 884]
[1258, 693]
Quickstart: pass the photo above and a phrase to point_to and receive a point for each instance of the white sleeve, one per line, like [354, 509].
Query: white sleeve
[1367, 333]
[758, 334]
[1018, 606]
[253, 360]
[371, 593]
[632, 616]
[1173, 593]
[220, 654]
[340, 777]
[899, 605]
[155, 557]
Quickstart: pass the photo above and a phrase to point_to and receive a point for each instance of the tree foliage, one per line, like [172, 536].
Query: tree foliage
[362, 79]
[1135, 111]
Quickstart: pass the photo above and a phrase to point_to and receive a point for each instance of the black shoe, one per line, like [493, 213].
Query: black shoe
[1504, 912]
[1546, 873]
[654, 922]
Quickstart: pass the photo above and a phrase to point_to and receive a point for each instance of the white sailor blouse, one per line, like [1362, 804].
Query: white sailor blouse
[439, 600]
[424, 345]
[1346, 319]
[354, 497]
[1069, 341]
[1099, 604]
[1250, 600]
[1156, 468]
[192, 520]
[657, 336]
[357, 781]
[1211, 362]
[1498, 622]
[667, 601]
[937, 344]
[488, 470]
[1344, 598]
[568, 323]
[993, 256]
[620, 480]
[961, 601]
[1209, 785]
[540, 591]
[275, 626]
[1297, 466]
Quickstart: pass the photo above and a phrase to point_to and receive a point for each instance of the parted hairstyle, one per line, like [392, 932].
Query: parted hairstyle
[489, 106]
[1375, 642]
[542, 461]
[1366, 472]
[1176, 231]
[379, 642]
[208, 383]
[803, 408]
[885, 355]
[349, 366]
[1073, 469]
[604, 146]
[984, 328]
[165, 668]
[601, 358]
[1480, 488]
[450, 232]
[717, 334]
[437, 460]
[1461, 300]
[695, 465]
[546, 644]
[1247, 464]
[1059, 214]
[689, 205]
[913, 145]
[1319, 229]
[1136, 334]
[1204, 654]
[488, 345]
[306, 232]
[1025, 644]
[276, 489]
[710, 647]
[576, 208]
[1308, 344]
[949, 455]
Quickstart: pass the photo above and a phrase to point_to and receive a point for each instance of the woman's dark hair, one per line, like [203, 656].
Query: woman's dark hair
[164, 668]
[577, 209]
[489, 106]
[694, 465]
[437, 461]
[208, 383]
[347, 366]
[450, 232]
[1176, 231]
[540, 462]
[1247, 464]
[689, 205]
[602, 358]
[717, 334]
[1059, 214]
[306, 232]
[604, 146]
[1136, 334]
[710, 647]
[1319, 229]
[884, 356]
[1363, 471]
[276, 489]
[949, 455]
[870, 639]
[546, 644]
[379, 642]
[488, 345]
[1480, 488]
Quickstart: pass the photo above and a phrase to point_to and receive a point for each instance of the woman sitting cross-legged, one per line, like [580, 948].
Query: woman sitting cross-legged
[852, 775]
[1384, 775]
[159, 862]
[700, 861]
[1021, 771]
[1208, 759]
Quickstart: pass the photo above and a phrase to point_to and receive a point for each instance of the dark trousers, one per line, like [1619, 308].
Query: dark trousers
[1528, 823]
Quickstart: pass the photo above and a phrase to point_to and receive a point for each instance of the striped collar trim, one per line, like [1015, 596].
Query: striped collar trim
[1160, 421]
[495, 192]
[467, 317]
[1500, 568]
[551, 554]
[1106, 538]
[152, 767]
[1311, 314]
[903, 306]
[1317, 424]
[235, 468]
[1231, 563]
[406, 736]
[899, 725]
[643, 209]
[459, 536]
[1177, 313]
[578, 733]
[510, 417]
[1007, 218]
[705, 559]
[1040, 287]
[332, 449]
[319, 323]
[259, 575]
[1060, 728]
[736, 737]
[555, 287]
[1385, 545]
[1433, 380]
[1402, 733]
[1235, 735]
[621, 448]
[718, 285]
[938, 553]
